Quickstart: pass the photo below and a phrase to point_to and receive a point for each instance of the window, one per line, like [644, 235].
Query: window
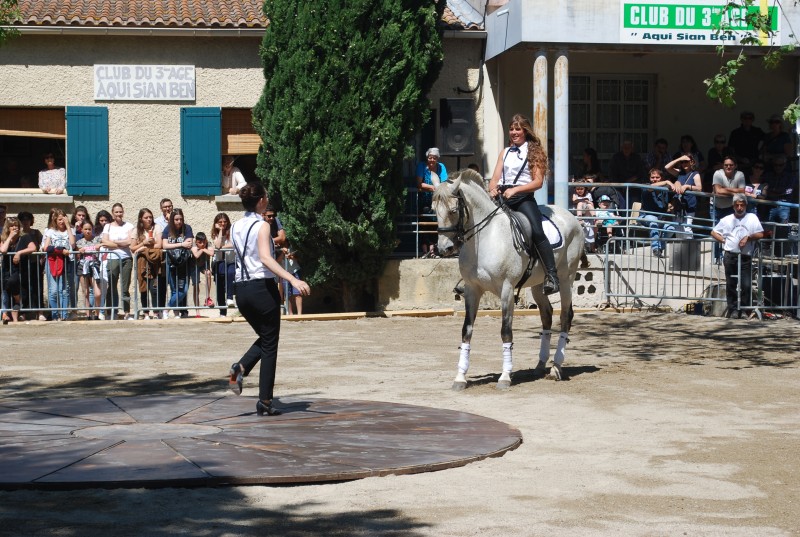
[240, 139]
[77, 137]
[604, 110]
[206, 135]
[26, 134]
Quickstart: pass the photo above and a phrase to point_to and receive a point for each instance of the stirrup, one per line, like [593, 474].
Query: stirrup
[550, 285]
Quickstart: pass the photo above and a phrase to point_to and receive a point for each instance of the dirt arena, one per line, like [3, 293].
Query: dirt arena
[669, 425]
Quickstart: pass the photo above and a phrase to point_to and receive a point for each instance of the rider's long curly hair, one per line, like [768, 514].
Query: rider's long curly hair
[537, 155]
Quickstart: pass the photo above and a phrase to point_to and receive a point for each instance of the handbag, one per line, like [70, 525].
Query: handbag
[177, 257]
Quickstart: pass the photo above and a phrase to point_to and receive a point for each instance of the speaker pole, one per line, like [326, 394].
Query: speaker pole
[458, 162]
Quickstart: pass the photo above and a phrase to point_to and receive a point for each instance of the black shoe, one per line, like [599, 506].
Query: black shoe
[267, 408]
[235, 382]
[550, 285]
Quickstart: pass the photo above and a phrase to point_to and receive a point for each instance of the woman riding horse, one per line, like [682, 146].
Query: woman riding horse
[519, 172]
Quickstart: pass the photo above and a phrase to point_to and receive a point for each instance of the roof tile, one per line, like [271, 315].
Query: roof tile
[458, 15]
[152, 13]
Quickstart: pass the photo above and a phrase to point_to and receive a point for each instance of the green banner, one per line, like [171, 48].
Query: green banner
[687, 16]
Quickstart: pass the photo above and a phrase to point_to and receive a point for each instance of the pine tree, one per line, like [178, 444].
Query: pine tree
[345, 89]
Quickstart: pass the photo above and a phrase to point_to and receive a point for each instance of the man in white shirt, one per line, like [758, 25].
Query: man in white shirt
[738, 233]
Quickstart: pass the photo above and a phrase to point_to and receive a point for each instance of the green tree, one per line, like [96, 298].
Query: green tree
[8, 13]
[749, 24]
[345, 89]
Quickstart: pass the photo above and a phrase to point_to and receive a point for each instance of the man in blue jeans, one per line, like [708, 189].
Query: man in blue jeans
[657, 212]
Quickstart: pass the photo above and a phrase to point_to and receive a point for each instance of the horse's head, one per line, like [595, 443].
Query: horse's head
[449, 208]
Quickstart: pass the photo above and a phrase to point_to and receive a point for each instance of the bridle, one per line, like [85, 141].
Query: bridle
[463, 234]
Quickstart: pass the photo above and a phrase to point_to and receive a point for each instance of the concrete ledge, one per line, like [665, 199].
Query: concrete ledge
[420, 313]
[227, 198]
[9, 197]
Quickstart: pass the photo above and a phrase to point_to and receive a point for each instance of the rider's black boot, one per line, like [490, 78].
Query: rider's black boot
[550, 285]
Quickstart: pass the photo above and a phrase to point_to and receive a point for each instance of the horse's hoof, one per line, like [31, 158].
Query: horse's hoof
[459, 386]
[503, 385]
[540, 371]
[555, 373]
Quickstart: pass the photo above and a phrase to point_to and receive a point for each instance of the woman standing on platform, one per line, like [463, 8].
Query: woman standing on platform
[257, 294]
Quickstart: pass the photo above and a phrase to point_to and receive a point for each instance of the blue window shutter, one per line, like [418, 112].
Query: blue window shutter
[201, 147]
[87, 150]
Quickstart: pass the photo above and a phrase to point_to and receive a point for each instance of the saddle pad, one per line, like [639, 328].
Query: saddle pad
[549, 227]
[552, 232]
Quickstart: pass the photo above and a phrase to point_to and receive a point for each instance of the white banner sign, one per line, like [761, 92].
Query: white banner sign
[144, 83]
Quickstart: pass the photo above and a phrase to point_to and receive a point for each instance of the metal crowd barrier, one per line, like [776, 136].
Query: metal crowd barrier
[153, 290]
[161, 289]
[49, 287]
[688, 273]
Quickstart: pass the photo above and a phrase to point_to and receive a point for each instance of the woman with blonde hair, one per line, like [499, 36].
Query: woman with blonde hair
[520, 171]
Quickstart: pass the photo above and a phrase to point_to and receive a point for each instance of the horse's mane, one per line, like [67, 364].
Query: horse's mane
[468, 176]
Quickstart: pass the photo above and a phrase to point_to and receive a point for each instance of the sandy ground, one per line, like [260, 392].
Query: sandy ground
[669, 425]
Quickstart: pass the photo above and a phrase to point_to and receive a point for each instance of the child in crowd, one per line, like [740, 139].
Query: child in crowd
[203, 252]
[607, 218]
[584, 210]
[295, 298]
[89, 266]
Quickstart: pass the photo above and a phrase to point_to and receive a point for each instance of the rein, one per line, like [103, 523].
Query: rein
[462, 234]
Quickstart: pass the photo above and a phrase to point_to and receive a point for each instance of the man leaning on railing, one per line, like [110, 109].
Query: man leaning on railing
[738, 233]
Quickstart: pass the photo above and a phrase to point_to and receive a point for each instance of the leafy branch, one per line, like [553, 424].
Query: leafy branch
[742, 21]
[9, 11]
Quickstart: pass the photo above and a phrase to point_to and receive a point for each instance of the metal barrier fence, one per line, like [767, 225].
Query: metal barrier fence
[688, 272]
[417, 227]
[104, 286]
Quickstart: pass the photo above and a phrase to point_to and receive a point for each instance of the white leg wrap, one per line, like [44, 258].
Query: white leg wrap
[563, 339]
[508, 362]
[544, 346]
[463, 359]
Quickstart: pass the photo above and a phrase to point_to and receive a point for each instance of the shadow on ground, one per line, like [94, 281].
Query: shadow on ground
[195, 512]
[109, 385]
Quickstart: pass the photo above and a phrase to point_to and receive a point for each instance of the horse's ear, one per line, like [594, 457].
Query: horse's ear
[456, 182]
[435, 181]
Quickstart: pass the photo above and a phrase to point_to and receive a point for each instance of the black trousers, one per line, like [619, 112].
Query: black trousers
[730, 261]
[527, 205]
[260, 304]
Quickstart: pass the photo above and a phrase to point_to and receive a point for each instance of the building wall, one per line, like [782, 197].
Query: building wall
[461, 69]
[144, 137]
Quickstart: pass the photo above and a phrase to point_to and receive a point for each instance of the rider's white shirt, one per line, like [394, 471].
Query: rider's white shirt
[512, 161]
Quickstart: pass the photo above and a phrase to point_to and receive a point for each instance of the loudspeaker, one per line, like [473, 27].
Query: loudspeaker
[457, 127]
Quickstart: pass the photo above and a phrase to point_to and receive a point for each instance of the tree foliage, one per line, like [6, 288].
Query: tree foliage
[755, 28]
[8, 13]
[345, 89]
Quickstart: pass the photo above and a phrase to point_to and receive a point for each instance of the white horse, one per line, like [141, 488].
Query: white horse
[469, 220]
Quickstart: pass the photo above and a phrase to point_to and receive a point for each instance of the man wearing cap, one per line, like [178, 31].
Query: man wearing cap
[745, 139]
[738, 233]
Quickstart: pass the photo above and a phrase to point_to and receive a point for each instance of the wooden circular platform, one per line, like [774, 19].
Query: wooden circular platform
[162, 441]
